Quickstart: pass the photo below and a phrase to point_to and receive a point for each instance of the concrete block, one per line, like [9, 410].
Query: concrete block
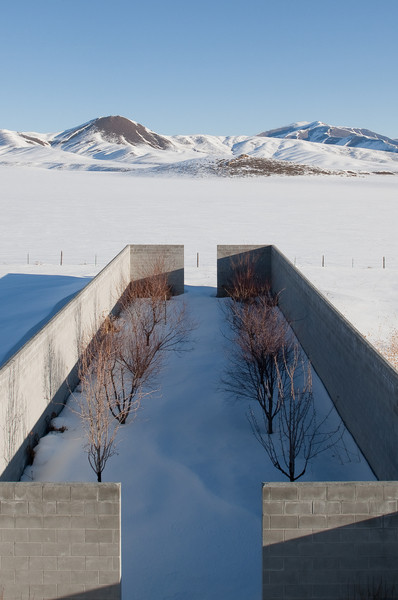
[312, 522]
[341, 491]
[70, 563]
[284, 521]
[57, 522]
[6, 548]
[299, 592]
[340, 520]
[29, 522]
[7, 576]
[27, 549]
[29, 577]
[70, 508]
[70, 536]
[109, 577]
[272, 563]
[42, 508]
[311, 492]
[69, 589]
[86, 522]
[106, 522]
[44, 591]
[85, 549]
[57, 577]
[298, 508]
[369, 491]
[273, 508]
[13, 508]
[272, 592]
[109, 492]
[100, 535]
[28, 491]
[14, 535]
[293, 534]
[382, 507]
[7, 491]
[360, 507]
[284, 492]
[41, 535]
[99, 563]
[7, 522]
[56, 491]
[17, 563]
[331, 507]
[109, 549]
[42, 563]
[274, 536]
[56, 549]
[84, 492]
[108, 508]
[89, 578]
[390, 491]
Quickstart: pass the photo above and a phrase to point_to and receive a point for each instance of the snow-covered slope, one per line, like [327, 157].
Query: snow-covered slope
[118, 144]
[340, 136]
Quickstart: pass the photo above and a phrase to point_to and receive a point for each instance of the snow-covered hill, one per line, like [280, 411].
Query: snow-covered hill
[119, 144]
[340, 136]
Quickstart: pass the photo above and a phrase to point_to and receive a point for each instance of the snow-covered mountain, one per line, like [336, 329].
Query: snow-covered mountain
[118, 144]
[340, 136]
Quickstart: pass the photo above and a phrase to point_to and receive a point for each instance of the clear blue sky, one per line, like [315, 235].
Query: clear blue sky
[208, 66]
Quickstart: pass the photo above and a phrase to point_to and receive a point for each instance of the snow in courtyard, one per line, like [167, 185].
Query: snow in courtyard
[190, 467]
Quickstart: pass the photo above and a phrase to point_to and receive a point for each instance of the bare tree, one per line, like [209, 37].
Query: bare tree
[299, 436]
[260, 339]
[99, 426]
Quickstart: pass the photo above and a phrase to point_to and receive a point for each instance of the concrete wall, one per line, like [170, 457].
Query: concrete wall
[361, 383]
[35, 382]
[60, 540]
[235, 256]
[144, 258]
[330, 541]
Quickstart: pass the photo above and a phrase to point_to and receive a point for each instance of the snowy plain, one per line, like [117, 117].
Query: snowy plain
[190, 468]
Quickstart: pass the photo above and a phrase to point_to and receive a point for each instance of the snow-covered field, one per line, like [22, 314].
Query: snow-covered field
[190, 468]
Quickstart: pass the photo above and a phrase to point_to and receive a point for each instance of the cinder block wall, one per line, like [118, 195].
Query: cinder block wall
[330, 541]
[60, 540]
[167, 256]
[361, 383]
[230, 257]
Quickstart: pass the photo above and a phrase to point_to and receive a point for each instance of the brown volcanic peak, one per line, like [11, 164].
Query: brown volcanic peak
[120, 130]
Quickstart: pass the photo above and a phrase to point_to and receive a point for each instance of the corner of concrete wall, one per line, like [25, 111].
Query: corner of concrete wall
[330, 540]
[231, 256]
[60, 540]
[145, 257]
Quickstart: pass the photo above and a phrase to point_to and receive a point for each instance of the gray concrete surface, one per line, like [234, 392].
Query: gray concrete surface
[231, 257]
[60, 540]
[170, 258]
[330, 541]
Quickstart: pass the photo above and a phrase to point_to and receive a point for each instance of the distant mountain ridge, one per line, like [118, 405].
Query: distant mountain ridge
[319, 132]
[115, 143]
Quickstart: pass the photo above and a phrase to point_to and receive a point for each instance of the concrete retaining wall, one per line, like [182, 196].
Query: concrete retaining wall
[232, 257]
[361, 383]
[60, 540]
[330, 541]
[35, 382]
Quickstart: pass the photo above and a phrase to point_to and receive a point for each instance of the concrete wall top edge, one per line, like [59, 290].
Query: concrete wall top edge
[286, 484]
